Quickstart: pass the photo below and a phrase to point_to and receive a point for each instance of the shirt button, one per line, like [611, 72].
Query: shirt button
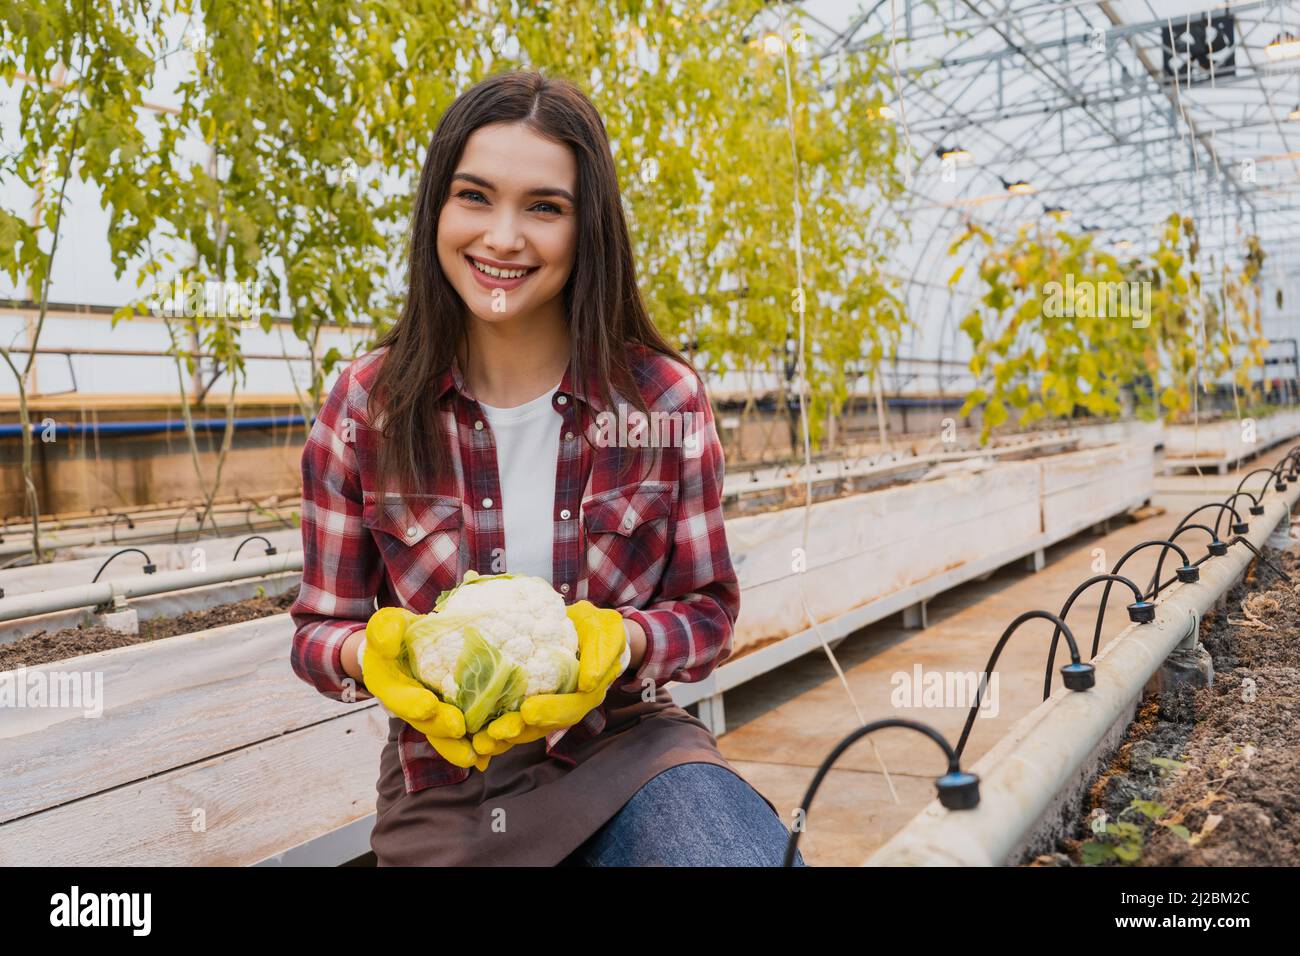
[568, 436]
[627, 522]
[560, 399]
[564, 588]
[478, 426]
[487, 502]
[564, 515]
[412, 531]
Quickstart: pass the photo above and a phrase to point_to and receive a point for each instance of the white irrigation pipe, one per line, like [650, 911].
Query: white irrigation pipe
[13, 547]
[1047, 755]
[100, 592]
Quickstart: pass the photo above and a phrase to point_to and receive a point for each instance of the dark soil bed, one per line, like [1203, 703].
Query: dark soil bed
[1211, 776]
[76, 641]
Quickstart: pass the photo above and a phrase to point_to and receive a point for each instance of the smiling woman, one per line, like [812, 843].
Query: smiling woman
[495, 214]
[468, 440]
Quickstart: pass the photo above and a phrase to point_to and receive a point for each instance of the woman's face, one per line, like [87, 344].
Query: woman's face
[512, 208]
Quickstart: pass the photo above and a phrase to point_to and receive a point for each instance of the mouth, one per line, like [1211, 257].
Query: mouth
[491, 277]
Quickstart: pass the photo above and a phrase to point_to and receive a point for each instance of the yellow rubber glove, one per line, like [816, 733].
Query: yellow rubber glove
[603, 654]
[405, 697]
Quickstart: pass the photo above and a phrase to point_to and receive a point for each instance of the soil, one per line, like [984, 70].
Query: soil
[75, 641]
[1224, 787]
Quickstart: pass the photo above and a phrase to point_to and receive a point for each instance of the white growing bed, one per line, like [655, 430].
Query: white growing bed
[32, 579]
[211, 751]
[1220, 445]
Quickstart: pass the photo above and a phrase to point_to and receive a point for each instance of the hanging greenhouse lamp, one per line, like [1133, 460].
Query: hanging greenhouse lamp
[1284, 47]
[1018, 188]
[1057, 211]
[953, 154]
[772, 44]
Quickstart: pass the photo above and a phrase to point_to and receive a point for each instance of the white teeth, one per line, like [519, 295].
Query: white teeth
[498, 273]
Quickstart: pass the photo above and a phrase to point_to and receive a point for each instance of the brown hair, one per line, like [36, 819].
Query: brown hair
[602, 303]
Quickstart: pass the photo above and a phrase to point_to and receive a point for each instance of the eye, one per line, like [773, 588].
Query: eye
[477, 198]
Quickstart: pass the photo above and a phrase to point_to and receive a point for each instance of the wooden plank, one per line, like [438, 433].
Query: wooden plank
[232, 810]
[165, 704]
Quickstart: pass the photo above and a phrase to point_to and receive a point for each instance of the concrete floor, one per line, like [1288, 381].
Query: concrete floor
[781, 725]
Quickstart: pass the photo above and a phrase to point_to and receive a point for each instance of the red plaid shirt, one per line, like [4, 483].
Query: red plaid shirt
[653, 547]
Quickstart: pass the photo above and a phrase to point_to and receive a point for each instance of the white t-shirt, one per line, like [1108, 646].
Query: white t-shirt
[527, 441]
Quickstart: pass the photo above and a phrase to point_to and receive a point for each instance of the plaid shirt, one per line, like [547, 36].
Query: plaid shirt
[649, 543]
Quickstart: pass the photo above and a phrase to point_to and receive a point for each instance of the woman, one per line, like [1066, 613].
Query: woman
[523, 331]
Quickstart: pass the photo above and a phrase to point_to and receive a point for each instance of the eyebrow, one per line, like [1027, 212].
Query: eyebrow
[539, 191]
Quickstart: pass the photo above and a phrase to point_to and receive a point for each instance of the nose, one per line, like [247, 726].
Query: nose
[503, 230]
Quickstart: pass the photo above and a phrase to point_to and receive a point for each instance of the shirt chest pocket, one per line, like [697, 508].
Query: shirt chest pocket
[627, 538]
[419, 537]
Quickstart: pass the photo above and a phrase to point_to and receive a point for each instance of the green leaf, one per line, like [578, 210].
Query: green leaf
[1128, 853]
[1149, 808]
[1093, 853]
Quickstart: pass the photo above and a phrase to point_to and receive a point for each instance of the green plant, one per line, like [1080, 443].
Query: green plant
[1121, 841]
[1043, 337]
[313, 118]
[1045, 353]
[82, 73]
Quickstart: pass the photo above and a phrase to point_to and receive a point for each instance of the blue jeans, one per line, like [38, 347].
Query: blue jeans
[694, 814]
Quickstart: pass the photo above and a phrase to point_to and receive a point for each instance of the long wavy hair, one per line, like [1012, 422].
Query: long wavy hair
[602, 304]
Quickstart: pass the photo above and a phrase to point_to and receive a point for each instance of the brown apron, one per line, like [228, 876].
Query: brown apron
[531, 809]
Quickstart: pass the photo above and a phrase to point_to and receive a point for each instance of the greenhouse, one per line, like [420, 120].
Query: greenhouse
[830, 433]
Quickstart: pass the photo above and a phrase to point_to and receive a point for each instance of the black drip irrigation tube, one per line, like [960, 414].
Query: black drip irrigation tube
[958, 790]
[176, 533]
[1276, 570]
[1141, 611]
[270, 548]
[1217, 547]
[1189, 573]
[112, 525]
[149, 566]
[1256, 509]
[1077, 675]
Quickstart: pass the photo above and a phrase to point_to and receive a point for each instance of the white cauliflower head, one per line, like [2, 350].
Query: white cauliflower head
[492, 641]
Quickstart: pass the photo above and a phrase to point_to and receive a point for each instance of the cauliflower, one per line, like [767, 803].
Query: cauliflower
[492, 641]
